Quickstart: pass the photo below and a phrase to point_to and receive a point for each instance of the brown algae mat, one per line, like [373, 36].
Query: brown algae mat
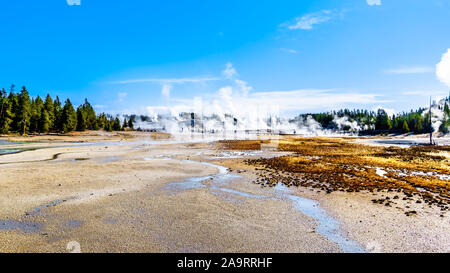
[337, 164]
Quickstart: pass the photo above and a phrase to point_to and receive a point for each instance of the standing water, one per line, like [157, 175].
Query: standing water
[326, 225]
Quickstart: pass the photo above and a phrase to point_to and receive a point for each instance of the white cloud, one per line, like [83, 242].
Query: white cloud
[244, 87]
[374, 2]
[167, 81]
[229, 71]
[228, 100]
[443, 68]
[253, 111]
[410, 70]
[293, 51]
[166, 90]
[73, 2]
[307, 22]
[305, 99]
[238, 99]
[121, 96]
[426, 93]
[388, 111]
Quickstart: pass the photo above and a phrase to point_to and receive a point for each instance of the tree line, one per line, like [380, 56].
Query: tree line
[417, 121]
[19, 113]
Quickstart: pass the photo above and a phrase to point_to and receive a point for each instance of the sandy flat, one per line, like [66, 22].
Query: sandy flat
[110, 199]
[116, 194]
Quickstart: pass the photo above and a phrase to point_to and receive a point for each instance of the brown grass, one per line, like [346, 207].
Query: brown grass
[241, 145]
[332, 164]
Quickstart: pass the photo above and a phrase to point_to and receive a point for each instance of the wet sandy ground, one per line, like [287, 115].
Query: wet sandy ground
[378, 228]
[119, 195]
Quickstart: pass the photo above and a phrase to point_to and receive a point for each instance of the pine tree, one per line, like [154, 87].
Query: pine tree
[58, 111]
[2, 101]
[48, 106]
[382, 121]
[69, 117]
[130, 123]
[395, 122]
[446, 109]
[116, 125]
[34, 116]
[36, 109]
[101, 121]
[91, 118]
[108, 126]
[24, 111]
[419, 124]
[125, 123]
[427, 126]
[405, 127]
[87, 118]
[81, 119]
[13, 99]
[44, 121]
[6, 117]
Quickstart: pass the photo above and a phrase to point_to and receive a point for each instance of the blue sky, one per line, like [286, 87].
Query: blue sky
[293, 57]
